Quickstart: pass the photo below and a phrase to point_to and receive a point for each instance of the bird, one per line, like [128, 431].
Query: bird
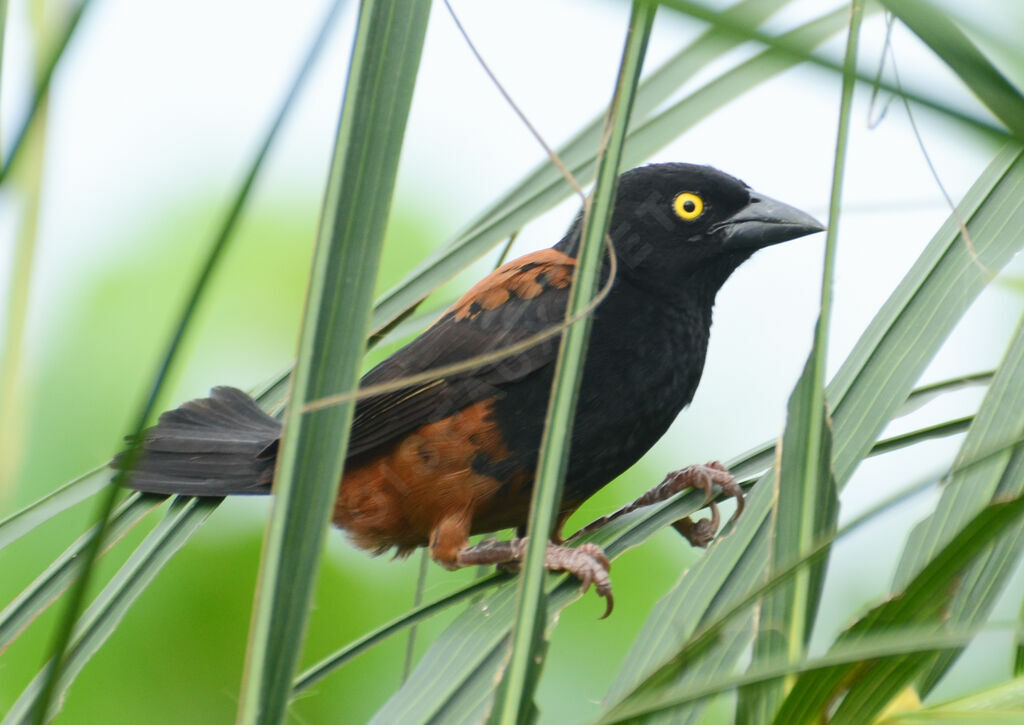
[437, 462]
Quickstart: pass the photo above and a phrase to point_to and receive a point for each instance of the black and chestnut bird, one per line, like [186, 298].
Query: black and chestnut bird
[432, 464]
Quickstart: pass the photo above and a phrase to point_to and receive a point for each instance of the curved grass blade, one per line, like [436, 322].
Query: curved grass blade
[371, 639]
[71, 493]
[29, 190]
[99, 621]
[661, 703]
[514, 701]
[42, 87]
[867, 391]
[382, 74]
[760, 459]
[937, 29]
[806, 507]
[787, 613]
[868, 686]
[927, 393]
[1001, 704]
[782, 45]
[992, 476]
[32, 602]
[938, 430]
[1000, 417]
[858, 650]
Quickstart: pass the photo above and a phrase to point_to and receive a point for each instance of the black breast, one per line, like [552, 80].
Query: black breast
[644, 362]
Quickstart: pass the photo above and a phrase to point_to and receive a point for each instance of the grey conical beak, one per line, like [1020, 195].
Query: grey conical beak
[763, 222]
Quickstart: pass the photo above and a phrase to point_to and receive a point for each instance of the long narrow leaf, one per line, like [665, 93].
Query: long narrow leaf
[806, 507]
[912, 612]
[51, 583]
[101, 619]
[922, 602]
[1000, 418]
[784, 46]
[937, 29]
[71, 493]
[1003, 703]
[382, 73]
[42, 87]
[656, 703]
[991, 475]
[806, 511]
[515, 698]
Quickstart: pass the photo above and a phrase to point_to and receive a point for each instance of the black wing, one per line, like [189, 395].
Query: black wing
[516, 301]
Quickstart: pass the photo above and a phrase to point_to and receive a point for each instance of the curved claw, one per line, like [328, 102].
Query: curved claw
[588, 562]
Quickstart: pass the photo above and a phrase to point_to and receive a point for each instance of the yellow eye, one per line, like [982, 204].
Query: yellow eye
[688, 206]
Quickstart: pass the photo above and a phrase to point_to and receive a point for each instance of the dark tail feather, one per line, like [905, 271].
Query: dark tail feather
[215, 446]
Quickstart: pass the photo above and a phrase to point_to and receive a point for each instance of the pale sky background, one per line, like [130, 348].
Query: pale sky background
[156, 100]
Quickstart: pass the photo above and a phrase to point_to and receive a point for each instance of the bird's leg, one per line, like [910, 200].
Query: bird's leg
[586, 562]
[704, 477]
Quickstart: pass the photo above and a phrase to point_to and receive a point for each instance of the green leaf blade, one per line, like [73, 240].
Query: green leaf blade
[101, 619]
[988, 466]
[805, 513]
[514, 702]
[385, 60]
[936, 28]
[872, 684]
[806, 508]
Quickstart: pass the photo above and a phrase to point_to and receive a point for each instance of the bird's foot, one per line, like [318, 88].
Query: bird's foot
[586, 562]
[704, 477]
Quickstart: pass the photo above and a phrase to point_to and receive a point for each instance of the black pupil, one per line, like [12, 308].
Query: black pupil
[689, 206]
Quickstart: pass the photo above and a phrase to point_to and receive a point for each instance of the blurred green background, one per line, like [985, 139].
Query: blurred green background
[154, 113]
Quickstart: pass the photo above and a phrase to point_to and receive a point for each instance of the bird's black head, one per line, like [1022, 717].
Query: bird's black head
[674, 221]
